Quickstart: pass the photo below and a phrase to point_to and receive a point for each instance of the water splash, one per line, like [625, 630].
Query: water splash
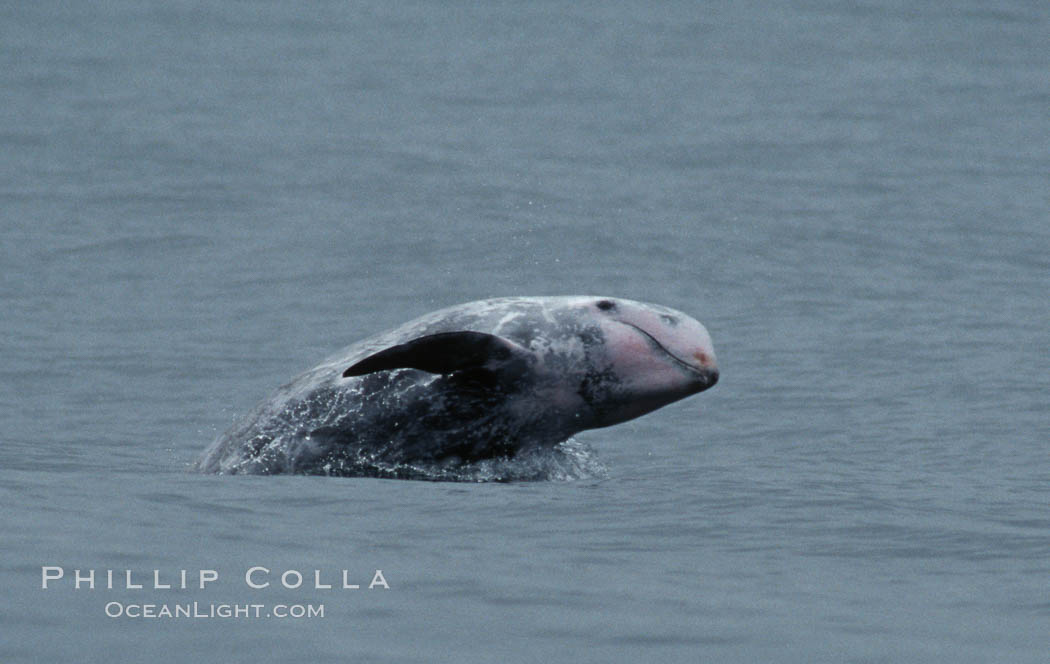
[567, 461]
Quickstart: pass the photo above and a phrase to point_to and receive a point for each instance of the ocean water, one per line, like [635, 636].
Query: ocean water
[198, 200]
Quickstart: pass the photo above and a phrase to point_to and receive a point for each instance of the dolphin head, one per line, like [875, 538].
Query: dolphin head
[643, 357]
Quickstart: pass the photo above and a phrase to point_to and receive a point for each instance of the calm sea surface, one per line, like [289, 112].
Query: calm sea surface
[198, 200]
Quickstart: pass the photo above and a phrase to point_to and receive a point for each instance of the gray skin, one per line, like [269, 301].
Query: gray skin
[480, 380]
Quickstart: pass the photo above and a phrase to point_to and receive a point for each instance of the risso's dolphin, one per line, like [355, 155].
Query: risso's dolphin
[477, 381]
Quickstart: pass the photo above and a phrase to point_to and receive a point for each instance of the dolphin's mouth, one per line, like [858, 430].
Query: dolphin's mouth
[709, 376]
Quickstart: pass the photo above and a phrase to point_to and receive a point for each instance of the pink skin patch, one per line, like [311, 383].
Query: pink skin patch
[685, 338]
[702, 358]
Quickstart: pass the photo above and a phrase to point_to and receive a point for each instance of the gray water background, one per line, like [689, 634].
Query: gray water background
[201, 199]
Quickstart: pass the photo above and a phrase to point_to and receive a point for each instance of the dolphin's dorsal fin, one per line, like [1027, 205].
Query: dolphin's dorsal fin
[444, 353]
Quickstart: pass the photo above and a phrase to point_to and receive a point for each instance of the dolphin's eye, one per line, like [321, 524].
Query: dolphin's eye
[669, 319]
[605, 305]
